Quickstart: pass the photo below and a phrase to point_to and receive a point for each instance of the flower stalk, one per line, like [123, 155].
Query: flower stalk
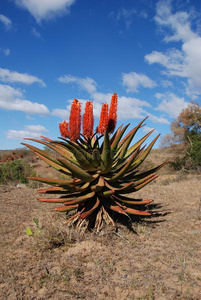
[103, 123]
[88, 120]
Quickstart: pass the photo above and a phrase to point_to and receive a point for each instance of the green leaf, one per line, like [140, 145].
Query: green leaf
[57, 148]
[57, 200]
[29, 231]
[98, 184]
[89, 209]
[118, 137]
[137, 212]
[128, 200]
[56, 190]
[96, 158]
[60, 182]
[83, 157]
[141, 183]
[138, 144]
[131, 187]
[106, 156]
[128, 138]
[54, 163]
[42, 153]
[65, 208]
[35, 221]
[134, 177]
[77, 171]
[113, 137]
[111, 204]
[126, 188]
[124, 169]
[143, 155]
[81, 199]
[107, 193]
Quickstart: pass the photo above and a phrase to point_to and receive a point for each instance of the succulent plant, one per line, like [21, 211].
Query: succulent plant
[101, 167]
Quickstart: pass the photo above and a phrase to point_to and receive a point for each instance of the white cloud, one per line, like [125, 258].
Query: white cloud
[6, 21]
[147, 129]
[12, 99]
[127, 15]
[61, 113]
[5, 51]
[36, 128]
[36, 33]
[31, 131]
[166, 83]
[171, 104]
[134, 80]
[13, 76]
[45, 9]
[157, 57]
[173, 61]
[178, 22]
[131, 108]
[101, 97]
[29, 117]
[186, 62]
[87, 84]
[156, 119]
[144, 14]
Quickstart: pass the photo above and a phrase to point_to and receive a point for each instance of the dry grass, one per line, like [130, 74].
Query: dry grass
[160, 260]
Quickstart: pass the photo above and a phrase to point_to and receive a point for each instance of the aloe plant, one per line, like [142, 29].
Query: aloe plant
[103, 167]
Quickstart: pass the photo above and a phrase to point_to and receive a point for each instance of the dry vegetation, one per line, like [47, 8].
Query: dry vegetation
[159, 259]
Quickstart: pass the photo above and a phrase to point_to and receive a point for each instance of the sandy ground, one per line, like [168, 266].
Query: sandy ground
[160, 260]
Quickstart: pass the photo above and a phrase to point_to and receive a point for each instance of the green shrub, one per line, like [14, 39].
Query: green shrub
[15, 171]
[195, 150]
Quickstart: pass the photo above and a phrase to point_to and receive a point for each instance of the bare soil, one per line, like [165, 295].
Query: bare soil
[159, 259]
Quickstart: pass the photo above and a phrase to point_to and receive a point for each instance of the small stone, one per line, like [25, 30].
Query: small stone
[21, 185]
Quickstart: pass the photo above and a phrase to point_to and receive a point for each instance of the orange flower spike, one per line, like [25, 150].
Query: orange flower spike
[63, 127]
[88, 120]
[103, 119]
[112, 119]
[75, 120]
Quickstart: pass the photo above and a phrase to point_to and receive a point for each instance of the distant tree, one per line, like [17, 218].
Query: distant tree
[186, 132]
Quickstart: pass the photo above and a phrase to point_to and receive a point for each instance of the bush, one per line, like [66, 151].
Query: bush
[178, 163]
[195, 150]
[186, 132]
[15, 171]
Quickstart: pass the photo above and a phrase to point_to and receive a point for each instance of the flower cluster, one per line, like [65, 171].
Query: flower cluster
[107, 121]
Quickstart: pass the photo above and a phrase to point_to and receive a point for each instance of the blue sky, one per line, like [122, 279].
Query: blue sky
[149, 52]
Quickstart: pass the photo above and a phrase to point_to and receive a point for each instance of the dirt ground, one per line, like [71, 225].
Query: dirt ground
[161, 259]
